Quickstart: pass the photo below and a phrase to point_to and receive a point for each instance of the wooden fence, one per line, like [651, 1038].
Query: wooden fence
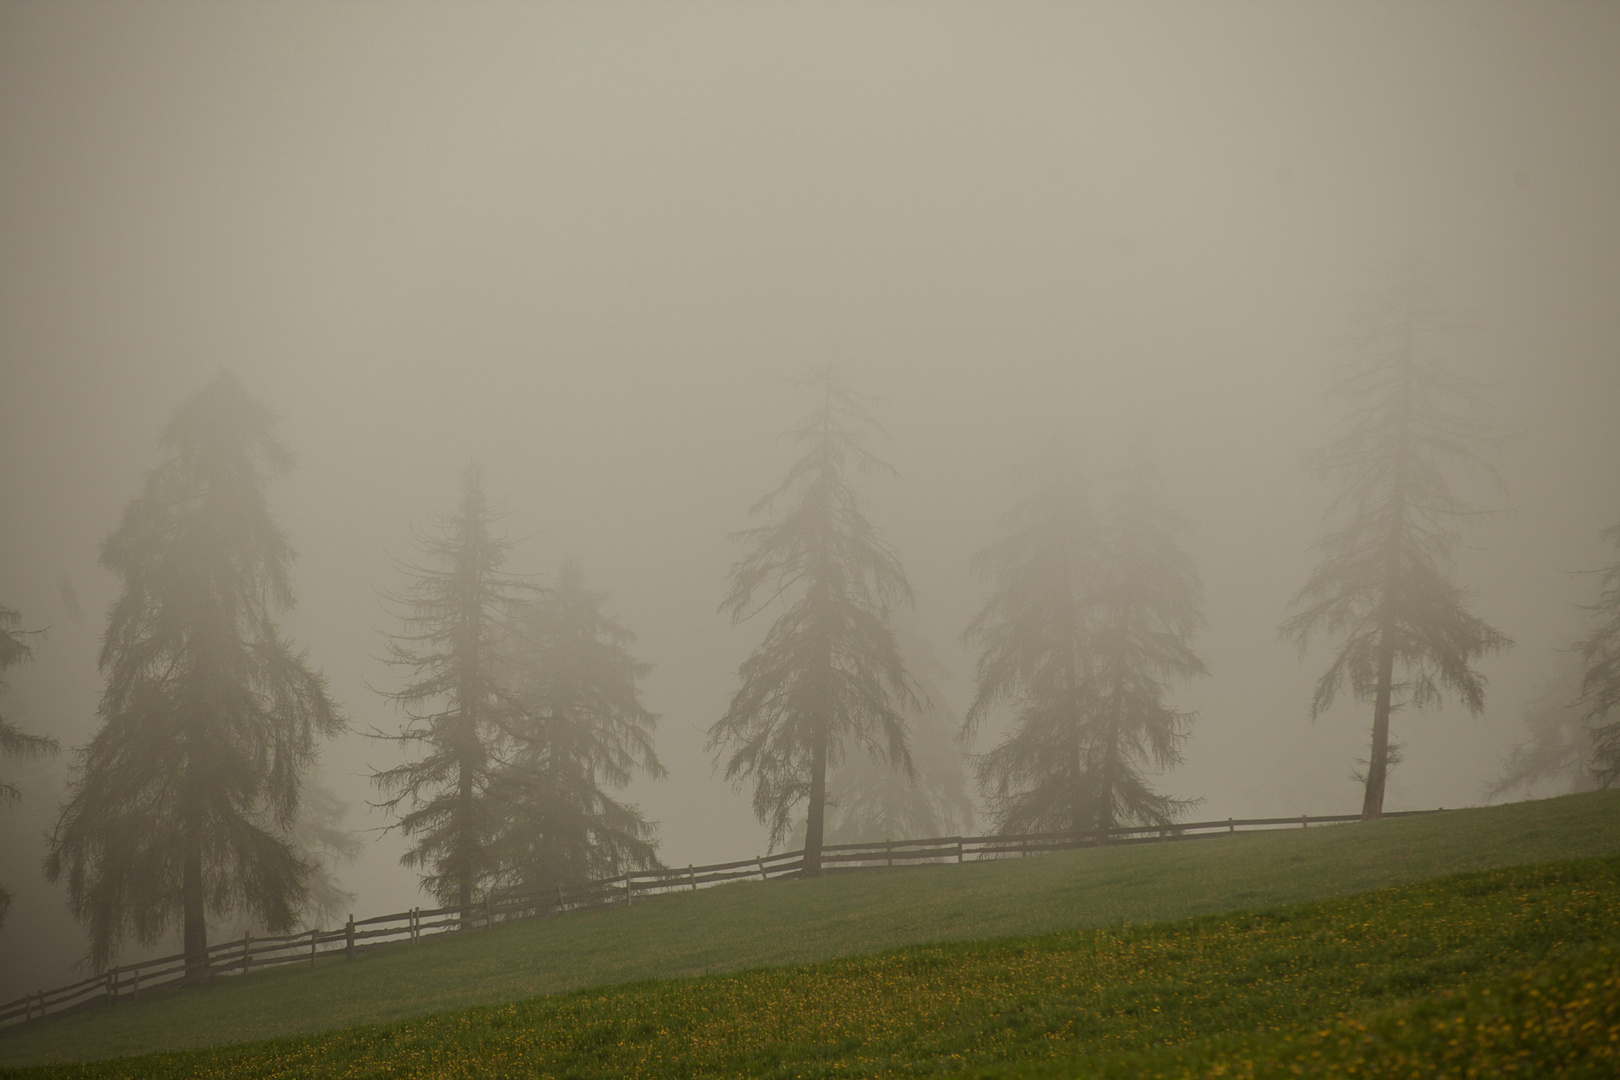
[239, 956]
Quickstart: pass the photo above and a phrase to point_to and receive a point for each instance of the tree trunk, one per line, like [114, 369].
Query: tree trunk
[1077, 808]
[468, 685]
[1105, 806]
[1078, 816]
[815, 818]
[464, 875]
[194, 917]
[1372, 803]
[814, 822]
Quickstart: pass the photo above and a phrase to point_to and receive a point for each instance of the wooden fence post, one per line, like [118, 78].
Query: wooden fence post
[958, 851]
[1304, 821]
[348, 943]
[247, 957]
[629, 892]
[888, 850]
[559, 900]
[1229, 826]
[314, 939]
[762, 875]
[112, 987]
[135, 991]
[691, 872]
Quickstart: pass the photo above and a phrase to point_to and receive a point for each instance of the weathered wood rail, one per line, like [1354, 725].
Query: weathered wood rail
[240, 956]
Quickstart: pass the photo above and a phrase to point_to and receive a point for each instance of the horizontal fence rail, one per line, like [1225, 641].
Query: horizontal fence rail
[240, 956]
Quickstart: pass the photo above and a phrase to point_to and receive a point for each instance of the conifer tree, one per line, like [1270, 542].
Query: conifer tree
[1384, 584]
[1089, 622]
[869, 802]
[1150, 607]
[321, 841]
[1558, 746]
[1599, 702]
[829, 671]
[580, 732]
[14, 742]
[456, 702]
[181, 802]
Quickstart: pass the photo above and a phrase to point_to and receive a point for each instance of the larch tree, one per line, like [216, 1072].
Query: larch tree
[14, 742]
[1558, 746]
[869, 801]
[829, 672]
[1384, 584]
[1033, 636]
[182, 801]
[580, 732]
[321, 840]
[1088, 624]
[1599, 701]
[1149, 609]
[456, 700]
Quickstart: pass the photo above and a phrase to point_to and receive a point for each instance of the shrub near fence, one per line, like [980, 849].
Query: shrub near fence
[242, 955]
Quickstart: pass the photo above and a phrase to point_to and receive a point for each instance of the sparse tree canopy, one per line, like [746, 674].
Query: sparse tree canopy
[1384, 583]
[321, 841]
[1558, 746]
[1089, 622]
[868, 801]
[580, 733]
[14, 742]
[1599, 702]
[181, 802]
[456, 703]
[829, 670]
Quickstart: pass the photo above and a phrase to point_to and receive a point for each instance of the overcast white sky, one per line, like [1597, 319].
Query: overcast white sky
[586, 244]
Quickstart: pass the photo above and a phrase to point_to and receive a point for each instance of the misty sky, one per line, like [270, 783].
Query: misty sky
[587, 244]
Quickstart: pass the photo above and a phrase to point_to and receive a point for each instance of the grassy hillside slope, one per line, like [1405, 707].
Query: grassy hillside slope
[750, 925]
[1304, 986]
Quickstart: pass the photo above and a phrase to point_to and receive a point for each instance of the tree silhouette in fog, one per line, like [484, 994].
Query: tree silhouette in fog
[579, 733]
[1558, 746]
[318, 838]
[14, 742]
[321, 840]
[1600, 682]
[455, 700]
[829, 671]
[868, 801]
[181, 802]
[1088, 624]
[1384, 583]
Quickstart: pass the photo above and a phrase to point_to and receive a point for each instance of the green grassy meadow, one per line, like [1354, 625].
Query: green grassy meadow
[769, 928]
[1286, 982]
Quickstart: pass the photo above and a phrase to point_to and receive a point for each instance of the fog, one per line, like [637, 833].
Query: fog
[589, 245]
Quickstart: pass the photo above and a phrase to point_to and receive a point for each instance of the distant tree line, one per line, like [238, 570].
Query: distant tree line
[522, 720]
